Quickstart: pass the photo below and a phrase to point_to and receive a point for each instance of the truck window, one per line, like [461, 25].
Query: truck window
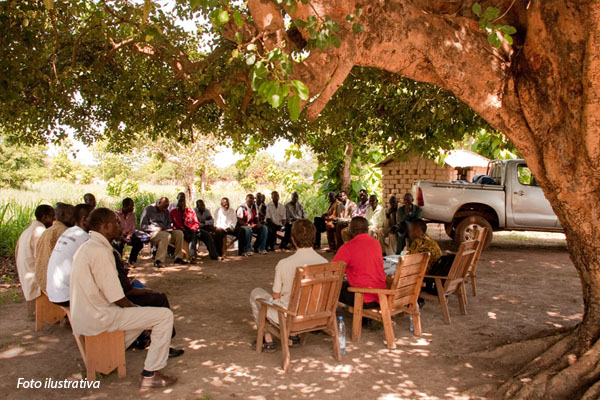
[524, 176]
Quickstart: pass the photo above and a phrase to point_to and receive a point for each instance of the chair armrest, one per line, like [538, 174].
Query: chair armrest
[436, 276]
[275, 306]
[370, 290]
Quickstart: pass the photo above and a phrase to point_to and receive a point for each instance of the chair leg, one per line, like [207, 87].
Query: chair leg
[260, 329]
[91, 373]
[417, 322]
[473, 285]
[285, 341]
[357, 316]
[462, 298]
[443, 300]
[337, 352]
[303, 339]
[386, 317]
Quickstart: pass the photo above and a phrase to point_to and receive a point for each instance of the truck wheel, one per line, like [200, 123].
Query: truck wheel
[450, 231]
[465, 230]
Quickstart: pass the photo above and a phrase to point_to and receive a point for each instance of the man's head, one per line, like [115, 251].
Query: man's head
[260, 198]
[373, 202]
[363, 196]
[180, 195]
[105, 222]
[162, 204]
[249, 199]
[408, 199]
[343, 196]
[89, 199]
[295, 198]
[358, 225]
[303, 233]
[200, 205]
[331, 197]
[275, 196]
[393, 201]
[225, 203]
[417, 229]
[82, 213]
[65, 213]
[45, 214]
[181, 203]
[127, 205]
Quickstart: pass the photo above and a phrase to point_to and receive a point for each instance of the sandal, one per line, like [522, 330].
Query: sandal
[268, 347]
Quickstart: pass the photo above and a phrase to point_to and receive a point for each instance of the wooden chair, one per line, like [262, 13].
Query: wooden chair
[313, 302]
[46, 311]
[401, 297]
[101, 353]
[480, 236]
[454, 282]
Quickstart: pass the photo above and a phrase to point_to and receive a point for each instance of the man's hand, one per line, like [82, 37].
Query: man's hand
[124, 302]
[276, 295]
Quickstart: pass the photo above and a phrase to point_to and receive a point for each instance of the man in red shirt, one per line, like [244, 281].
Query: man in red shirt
[186, 220]
[364, 263]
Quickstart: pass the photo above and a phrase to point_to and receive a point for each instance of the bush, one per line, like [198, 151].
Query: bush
[14, 218]
[121, 186]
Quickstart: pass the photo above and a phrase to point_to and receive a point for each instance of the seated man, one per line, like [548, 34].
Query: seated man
[60, 264]
[156, 222]
[25, 253]
[247, 217]
[90, 200]
[303, 234]
[375, 216]
[364, 264]
[404, 216]
[180, 195]
[185, 219]
[359, 211]
[261, 206]
[389, 239]
[326, 222]
[420, 242]
[276, 217]
[206, 228]
[225, 224]
[142, 296]
[348, 207]
[294, 212]
[65, 218]
[126, 217]
[98, 303]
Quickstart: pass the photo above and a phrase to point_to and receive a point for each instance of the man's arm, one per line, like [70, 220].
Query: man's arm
[240, 216]
[145, 221]
[124, 302]
[138, 291]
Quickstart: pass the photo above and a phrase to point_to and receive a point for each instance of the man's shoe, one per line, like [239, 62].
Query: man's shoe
[157, 380]
[192, 260]
[263, 252]
[180, 261]
[295, 341]
[421, 302]
[158, 264]
[268, 347]
[173, 352]
[248, 254]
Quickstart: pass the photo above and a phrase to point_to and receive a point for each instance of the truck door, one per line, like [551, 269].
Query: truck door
[530, 209]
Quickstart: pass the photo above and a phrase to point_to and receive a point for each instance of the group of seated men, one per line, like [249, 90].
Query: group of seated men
[71, 253]
[389, 226]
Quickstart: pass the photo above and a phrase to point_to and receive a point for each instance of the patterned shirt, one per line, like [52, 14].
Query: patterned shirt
[361, 209]
[426, 244]
[127, 223]
[347, 211]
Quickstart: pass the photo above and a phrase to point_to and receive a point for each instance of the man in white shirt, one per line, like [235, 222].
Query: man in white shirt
[303, 236]
[98, 303]
[276, 218]
[60, 264]
[376, 217]
[225, 224]
[25, 253]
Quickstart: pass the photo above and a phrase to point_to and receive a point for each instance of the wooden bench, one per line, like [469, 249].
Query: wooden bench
[46, 311]
[101, 353]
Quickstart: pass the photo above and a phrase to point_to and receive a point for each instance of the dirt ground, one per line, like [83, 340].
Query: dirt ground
[527, 284]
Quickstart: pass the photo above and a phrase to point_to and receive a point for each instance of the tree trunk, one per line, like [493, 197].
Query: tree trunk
[203, 180]
[345, 174]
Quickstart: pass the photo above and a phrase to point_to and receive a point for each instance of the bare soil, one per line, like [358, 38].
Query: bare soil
[527, 284]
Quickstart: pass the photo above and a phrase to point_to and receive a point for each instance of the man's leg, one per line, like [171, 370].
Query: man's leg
[119, 246]
[136, 247]
[177, 239]
[346, 297]
[338, 233]
[260, 293]
[134, 320]
[153, 299]
[247, 239]
[320, 226]
[161, 240]
[207, 238]
[392, 247]
[271, 237]
[192, 246]
[219, 236]
[261, 239]
[287, 236]
[331, 237]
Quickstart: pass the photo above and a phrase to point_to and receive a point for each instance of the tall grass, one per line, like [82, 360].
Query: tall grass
[14, 218]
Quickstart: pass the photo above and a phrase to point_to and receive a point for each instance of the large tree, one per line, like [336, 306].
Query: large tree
[530, 68]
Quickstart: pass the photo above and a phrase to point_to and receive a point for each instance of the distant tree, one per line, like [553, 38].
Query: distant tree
[20, 163]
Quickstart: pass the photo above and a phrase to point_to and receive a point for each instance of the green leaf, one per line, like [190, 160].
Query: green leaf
[357, 28]
[494, 40]
[238, 38]
[476, 9]
[293, 106]
[223, 17]
[349, 17]
[507, 29]
[300, 89]
[508, 39]
[195, 4]
[491, 13]
[238, 19]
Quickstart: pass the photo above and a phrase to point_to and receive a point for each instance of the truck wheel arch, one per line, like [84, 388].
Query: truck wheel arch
[473, 214]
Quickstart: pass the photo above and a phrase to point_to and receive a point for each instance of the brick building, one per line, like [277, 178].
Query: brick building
[399, 174]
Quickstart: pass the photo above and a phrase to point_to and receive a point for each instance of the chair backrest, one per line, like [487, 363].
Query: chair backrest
[479, 236]
[408, 279]
[460, 266]
[315, 295]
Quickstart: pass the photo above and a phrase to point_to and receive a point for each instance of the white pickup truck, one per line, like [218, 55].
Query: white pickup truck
[510, 200]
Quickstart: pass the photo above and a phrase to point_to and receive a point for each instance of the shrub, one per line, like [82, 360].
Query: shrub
[121, 187]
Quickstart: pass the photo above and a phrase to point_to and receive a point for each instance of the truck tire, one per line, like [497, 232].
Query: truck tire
[450, 231]
[465, 230]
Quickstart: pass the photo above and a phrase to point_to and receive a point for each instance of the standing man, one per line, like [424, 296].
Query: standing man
[206, 229]
[25, 253]
[98, 303]
[327, 221]
[156, 222]
[65, 218]
[60, 264]
[225, 223]
[391, 244]
[348, 207]
[90, 200]
[406, 214]
[247, 217]
[294, 212]
[126, 217]
[276, 217]
[375, 216]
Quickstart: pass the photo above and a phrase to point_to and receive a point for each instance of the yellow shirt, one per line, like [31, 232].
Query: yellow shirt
[426, 244]
[94, 287]
[43, 251]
